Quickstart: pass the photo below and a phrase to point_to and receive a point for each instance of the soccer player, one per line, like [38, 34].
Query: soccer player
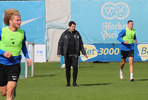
[70, 44]
[127, 37]
[12, 41]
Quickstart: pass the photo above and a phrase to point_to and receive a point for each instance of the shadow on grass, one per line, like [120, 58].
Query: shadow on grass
[142, 80]
[94, 84]
[43, 75]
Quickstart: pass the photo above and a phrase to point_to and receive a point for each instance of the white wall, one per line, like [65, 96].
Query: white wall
[57, 18]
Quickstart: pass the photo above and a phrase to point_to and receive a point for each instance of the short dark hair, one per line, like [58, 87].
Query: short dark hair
[71, 22]
[129, 21]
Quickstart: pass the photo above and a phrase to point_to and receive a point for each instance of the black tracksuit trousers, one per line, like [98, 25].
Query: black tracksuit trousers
[71, 61]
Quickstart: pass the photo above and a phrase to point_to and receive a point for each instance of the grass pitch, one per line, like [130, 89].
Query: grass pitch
[99, 81]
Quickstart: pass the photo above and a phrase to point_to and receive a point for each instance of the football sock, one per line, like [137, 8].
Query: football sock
[131, 75]
[121, 70]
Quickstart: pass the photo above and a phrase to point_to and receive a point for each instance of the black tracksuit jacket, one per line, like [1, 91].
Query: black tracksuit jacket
[64, 40]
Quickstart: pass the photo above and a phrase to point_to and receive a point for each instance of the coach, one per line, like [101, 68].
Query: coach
[70, 44]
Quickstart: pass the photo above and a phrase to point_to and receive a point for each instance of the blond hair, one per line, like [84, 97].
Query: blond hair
[9, 13]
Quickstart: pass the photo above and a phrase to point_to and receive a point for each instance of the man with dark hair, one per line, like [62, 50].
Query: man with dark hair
[71, 22]
[127, 37]
[129, 21]
[70, 44]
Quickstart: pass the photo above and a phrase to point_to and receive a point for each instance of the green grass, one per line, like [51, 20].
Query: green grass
[96, 82]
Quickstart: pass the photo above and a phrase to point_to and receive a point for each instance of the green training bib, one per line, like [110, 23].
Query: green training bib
[129, 35]
[12, 41]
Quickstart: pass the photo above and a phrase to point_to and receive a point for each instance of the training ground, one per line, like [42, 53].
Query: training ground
[99, 81]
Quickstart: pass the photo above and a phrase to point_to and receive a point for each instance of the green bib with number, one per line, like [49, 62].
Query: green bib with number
[129, 35]
[12, 41]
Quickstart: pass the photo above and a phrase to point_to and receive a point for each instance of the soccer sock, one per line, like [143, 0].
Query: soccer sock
[131, 75]
[121, 70]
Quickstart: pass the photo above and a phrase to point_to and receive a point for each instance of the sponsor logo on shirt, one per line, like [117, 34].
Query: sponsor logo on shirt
[66, 36]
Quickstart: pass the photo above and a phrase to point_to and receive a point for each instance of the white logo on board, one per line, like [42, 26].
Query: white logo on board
[119, 10]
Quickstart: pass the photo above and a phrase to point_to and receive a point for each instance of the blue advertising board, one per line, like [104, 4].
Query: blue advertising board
[100, 21]
[112, 53]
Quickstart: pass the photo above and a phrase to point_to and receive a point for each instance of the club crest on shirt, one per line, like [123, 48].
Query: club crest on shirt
[66, 36]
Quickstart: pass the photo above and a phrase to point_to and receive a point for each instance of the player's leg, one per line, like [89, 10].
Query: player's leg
[3, 90]
[122, 63]
[13, 72]
[75, 69]
[123, 56]
[10, 89]
[14, 95]
[68, 69]
[131, 68]
[3, 80]
[121, 68]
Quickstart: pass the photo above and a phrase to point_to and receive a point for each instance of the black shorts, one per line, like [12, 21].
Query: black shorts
[9, 73]
[125, 54]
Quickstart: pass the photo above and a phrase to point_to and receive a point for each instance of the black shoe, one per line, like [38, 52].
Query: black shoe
[131, 80]
[67, 85]
[75, 85]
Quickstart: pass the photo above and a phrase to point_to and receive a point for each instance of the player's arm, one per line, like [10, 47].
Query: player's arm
[82, 47]
[120, 35]
[6, 54]
[135, 38]
[25, 52]
[2, 52]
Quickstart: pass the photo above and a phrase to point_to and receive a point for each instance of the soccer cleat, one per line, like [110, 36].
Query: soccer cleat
[121, 75]
[75, 85]
[67, 85]
[131, 80]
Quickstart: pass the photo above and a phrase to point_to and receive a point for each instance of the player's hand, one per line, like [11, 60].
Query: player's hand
[135, 41]
[29, 62]
[7, 54]
[58, 55]
[126, 42]
[86, 56]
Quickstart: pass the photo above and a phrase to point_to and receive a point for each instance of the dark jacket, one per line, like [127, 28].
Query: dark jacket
[64, 40]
